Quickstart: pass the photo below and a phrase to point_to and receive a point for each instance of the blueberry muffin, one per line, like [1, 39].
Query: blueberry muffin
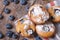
[38, 14]
[46, 30]
[54, 13]
[25, 26]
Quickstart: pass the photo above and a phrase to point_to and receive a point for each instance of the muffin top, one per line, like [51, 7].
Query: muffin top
[38, 13]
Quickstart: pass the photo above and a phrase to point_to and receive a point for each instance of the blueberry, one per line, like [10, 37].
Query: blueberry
[37, 38]
[15, 36]
[12, 0]
[11, 17]
[7, 11]
[23, 2]
[56, 10]
[8, 26]
[1, 16]
[27, 8]
[9, 34]
[51, 17]
[25, 39]
[5, 2]
[16, 1]
[1, 35]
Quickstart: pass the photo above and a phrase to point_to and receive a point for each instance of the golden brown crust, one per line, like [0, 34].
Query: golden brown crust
[52, 13]
[33, 18]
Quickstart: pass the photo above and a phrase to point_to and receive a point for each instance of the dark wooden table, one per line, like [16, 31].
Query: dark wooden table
[18, 11]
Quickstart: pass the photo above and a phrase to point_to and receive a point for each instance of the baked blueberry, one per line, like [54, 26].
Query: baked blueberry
[37, 38]
[1, 35]
[23, 2]
[16, 1]
[9, 34]
[25, 39]
[5, 2]
[7, 11]
[51, 17]
[15, 36]
[8, 26]
[11, 17]
[1, 16]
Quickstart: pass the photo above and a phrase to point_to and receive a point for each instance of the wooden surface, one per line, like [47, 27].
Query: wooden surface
[17, 10]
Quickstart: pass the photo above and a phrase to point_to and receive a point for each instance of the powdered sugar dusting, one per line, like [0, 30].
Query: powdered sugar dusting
[26, 26]
[27, 23]
[44, 17]
[45, 28]
[30, 32]
[37, 11]
[57, 13]
[52, 30]
[38, 19]
[39, 27]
